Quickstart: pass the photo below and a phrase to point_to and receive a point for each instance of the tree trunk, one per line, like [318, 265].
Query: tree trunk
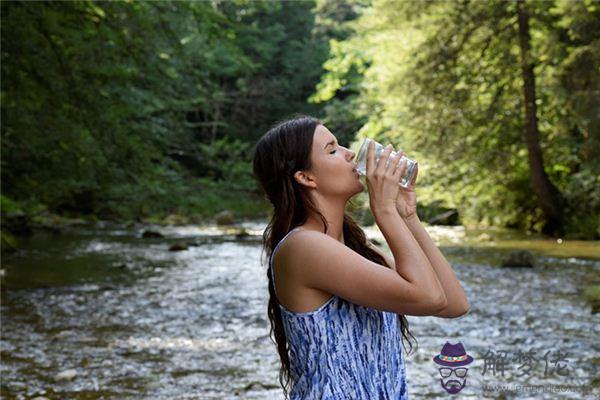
[548, 196]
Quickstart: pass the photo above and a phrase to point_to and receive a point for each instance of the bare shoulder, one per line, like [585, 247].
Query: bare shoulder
[309, 254]
[301, 245]
[291, 255]
[306, 242]
[292, 292]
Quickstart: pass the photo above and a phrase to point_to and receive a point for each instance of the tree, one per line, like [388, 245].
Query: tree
[447, 81]
[116, 106]
[549, 198]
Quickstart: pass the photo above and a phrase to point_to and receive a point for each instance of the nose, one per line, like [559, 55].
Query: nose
[352, 154]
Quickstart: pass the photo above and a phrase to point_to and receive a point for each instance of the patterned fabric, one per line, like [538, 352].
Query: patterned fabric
[344, 351]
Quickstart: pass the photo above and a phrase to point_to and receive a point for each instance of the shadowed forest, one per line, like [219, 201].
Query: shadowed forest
[145, 110]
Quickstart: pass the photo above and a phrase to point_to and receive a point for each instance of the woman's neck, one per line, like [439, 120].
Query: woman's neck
[334, 228]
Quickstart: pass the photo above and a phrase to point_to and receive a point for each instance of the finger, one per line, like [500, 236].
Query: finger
[396, 163]
[414, 179]
[411, 184]
[400, 166]
[382, 163]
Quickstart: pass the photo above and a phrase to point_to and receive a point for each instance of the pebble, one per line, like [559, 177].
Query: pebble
[66, 375]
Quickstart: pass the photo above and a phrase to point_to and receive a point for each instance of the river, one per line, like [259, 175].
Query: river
[99, 312]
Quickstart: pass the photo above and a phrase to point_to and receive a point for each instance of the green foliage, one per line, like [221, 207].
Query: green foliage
[7, 205]
[113, 108]
[345, 112]
[583, 199]
[443, 82]
[228, 160]
[132, 109]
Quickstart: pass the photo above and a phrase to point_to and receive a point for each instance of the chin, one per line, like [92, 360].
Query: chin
[359, 189]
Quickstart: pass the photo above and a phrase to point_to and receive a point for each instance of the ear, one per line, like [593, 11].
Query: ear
[305, 179]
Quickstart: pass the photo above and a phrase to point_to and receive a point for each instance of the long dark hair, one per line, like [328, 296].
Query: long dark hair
[284, 149]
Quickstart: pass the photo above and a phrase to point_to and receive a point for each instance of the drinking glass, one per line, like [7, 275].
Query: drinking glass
[361, 160]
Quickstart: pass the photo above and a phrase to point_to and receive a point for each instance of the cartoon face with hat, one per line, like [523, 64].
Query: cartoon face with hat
[452, 361]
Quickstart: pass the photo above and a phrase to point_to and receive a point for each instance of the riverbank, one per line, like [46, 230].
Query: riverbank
[203, 203]
[468, 236]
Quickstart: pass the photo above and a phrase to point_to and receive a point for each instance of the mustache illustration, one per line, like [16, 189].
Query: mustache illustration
[453, 386]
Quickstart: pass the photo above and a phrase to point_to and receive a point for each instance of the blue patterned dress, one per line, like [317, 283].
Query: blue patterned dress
[344, 351]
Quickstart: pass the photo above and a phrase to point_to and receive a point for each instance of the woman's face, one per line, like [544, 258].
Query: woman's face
[333, 171]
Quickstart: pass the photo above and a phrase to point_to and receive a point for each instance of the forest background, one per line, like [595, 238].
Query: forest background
[149, 111]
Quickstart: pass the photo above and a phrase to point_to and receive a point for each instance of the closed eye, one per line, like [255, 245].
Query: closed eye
[331, 152]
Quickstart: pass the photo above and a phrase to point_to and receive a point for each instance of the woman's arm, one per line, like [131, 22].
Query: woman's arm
[457, 301]
[446, 312]
[388, 260]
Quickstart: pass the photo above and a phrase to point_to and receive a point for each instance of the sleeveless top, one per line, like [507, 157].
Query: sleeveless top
[343, 351]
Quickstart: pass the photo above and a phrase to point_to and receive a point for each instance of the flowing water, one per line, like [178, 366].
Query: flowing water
[121, 317]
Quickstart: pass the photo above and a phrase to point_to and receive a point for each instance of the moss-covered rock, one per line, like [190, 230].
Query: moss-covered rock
[519, 259]
[151, 234]
[592, 295]
[224, 218]
[179, 246]
[176, 219]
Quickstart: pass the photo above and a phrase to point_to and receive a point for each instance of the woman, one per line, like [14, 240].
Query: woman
[337, 302]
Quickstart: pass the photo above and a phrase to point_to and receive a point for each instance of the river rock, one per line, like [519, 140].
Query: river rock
[152, 234]
[66, 375]
[256, 384]
[178, 246]
[592, 294]
[176, 219]
[242, 233]
[17, 222]
[446, 218]
[196, 218]
[224, 218]
[519, 259]
[53, 229]
[485, 237]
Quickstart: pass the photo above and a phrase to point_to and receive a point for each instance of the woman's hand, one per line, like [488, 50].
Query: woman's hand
[406, 202]
[382, 180]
